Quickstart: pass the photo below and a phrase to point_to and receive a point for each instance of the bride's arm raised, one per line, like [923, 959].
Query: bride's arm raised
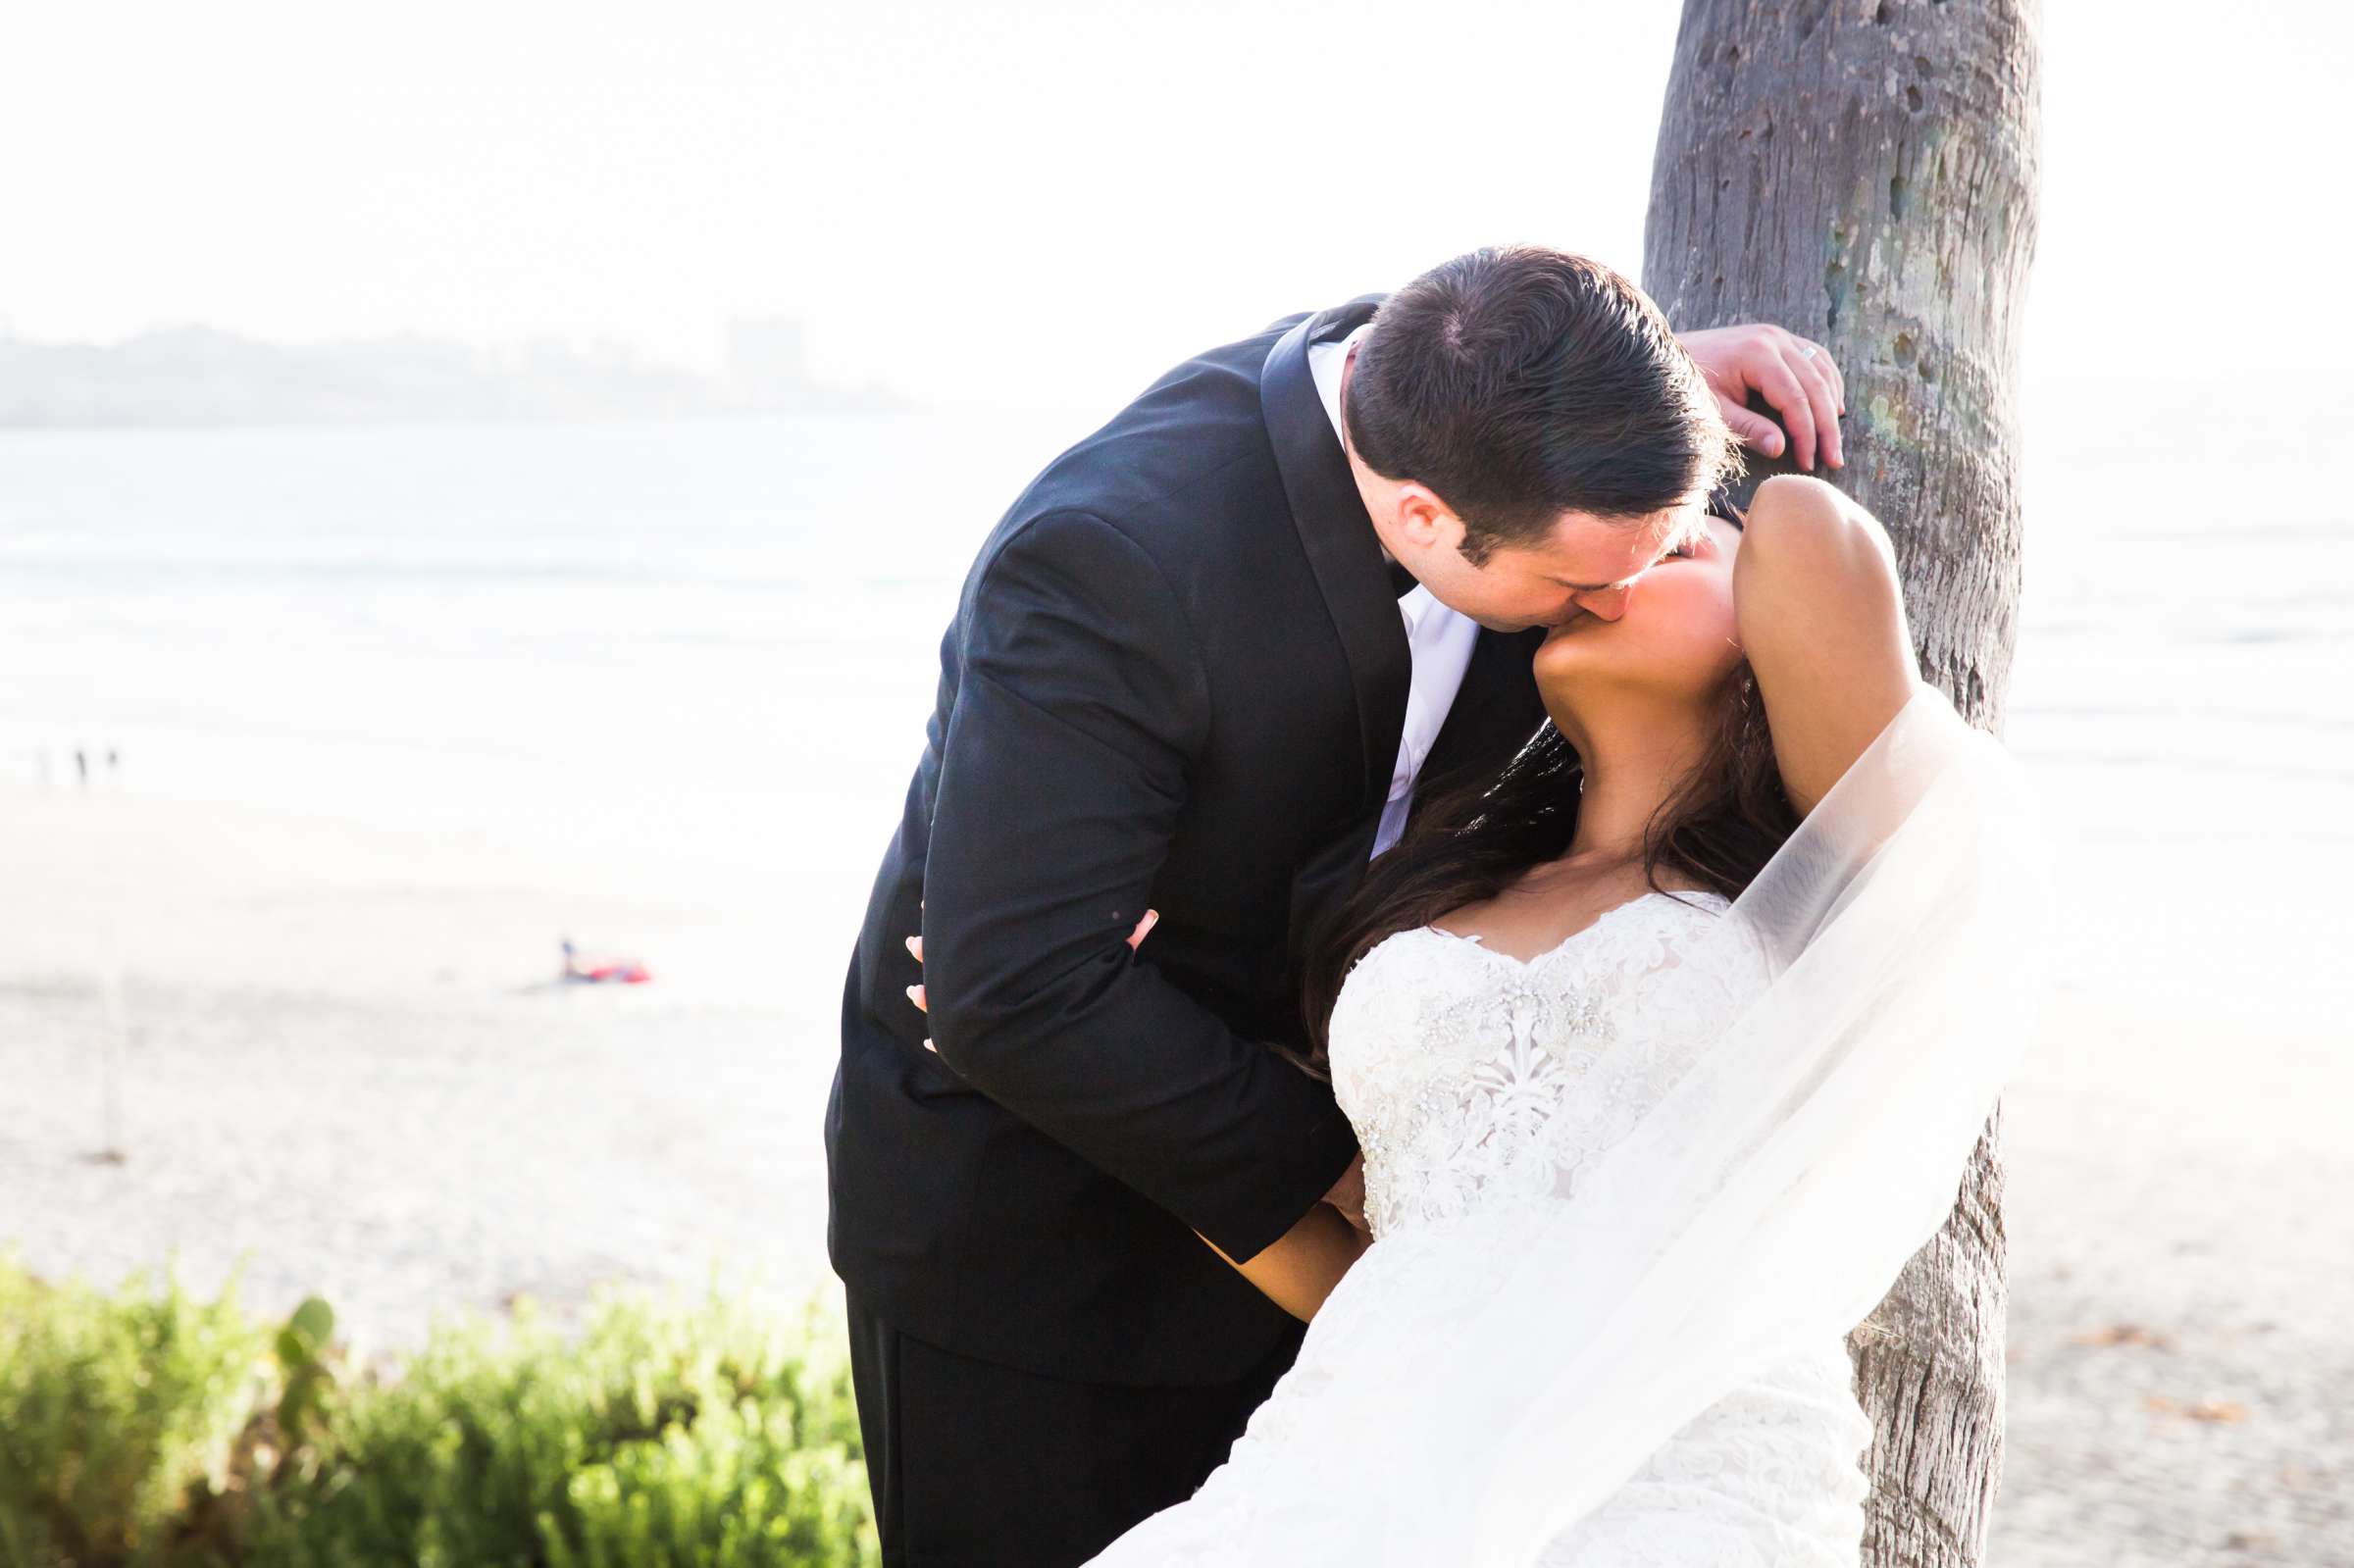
[1822, 621]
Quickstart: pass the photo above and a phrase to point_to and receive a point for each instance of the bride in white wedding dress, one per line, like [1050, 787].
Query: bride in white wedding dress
[1664, 1053]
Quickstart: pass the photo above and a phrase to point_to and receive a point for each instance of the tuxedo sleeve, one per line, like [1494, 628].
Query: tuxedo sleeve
[1081, 704]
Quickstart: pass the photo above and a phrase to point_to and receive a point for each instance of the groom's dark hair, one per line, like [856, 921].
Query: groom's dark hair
[1520, 383]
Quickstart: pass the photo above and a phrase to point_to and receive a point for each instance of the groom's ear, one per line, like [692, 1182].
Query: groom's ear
[1424, 519]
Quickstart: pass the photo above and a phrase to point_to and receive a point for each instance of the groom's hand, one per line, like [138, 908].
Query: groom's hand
[1348, 1194]
[1794, 375]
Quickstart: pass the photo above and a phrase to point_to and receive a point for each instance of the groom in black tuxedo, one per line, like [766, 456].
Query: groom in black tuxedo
[1204, 665]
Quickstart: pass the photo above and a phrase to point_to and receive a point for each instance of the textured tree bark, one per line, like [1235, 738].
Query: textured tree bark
[1864, 173]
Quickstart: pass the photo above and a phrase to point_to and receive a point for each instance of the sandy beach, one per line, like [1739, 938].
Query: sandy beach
[340, 1065]
[339, 1068]
[2181, 1383]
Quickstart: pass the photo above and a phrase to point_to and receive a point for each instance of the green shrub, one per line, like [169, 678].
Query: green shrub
[112, 1407]
[661, 1431]
[733, 1490]
[657, 1433]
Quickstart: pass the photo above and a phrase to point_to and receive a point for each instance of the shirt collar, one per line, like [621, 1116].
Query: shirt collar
[1325, 363]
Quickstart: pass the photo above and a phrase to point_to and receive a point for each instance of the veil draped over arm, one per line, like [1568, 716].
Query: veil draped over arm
[1763, 1207]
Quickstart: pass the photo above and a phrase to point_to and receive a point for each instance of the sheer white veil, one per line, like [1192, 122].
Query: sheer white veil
[1763, 1207]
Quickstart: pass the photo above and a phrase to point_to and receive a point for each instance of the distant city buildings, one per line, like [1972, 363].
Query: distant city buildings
[196, 376]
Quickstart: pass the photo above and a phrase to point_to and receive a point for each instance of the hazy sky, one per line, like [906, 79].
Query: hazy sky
[1042, 201]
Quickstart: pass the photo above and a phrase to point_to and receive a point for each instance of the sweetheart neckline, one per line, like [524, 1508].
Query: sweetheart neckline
[1475, 940]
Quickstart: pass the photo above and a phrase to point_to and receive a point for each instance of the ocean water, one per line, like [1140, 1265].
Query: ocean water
[702, 651]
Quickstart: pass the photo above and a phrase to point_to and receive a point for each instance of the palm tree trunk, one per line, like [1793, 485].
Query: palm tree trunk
[1864, 173]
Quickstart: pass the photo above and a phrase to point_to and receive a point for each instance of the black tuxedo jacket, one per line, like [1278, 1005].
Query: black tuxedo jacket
[1176, 679]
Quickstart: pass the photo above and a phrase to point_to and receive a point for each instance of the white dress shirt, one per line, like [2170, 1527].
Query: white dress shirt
[1439, 640]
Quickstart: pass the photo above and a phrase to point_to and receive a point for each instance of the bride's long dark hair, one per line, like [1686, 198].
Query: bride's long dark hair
[1471, 842]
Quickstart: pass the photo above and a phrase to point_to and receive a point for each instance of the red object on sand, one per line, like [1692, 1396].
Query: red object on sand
[602, 971]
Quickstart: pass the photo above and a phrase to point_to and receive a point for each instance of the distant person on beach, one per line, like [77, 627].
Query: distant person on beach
[1209, 663]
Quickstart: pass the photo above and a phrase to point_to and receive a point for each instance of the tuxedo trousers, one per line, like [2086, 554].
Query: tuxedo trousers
[976, 1465]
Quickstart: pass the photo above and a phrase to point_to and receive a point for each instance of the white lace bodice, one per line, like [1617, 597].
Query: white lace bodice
[1475, 1078]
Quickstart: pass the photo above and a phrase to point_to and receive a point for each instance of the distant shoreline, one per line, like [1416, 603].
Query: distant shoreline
[198, 376]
